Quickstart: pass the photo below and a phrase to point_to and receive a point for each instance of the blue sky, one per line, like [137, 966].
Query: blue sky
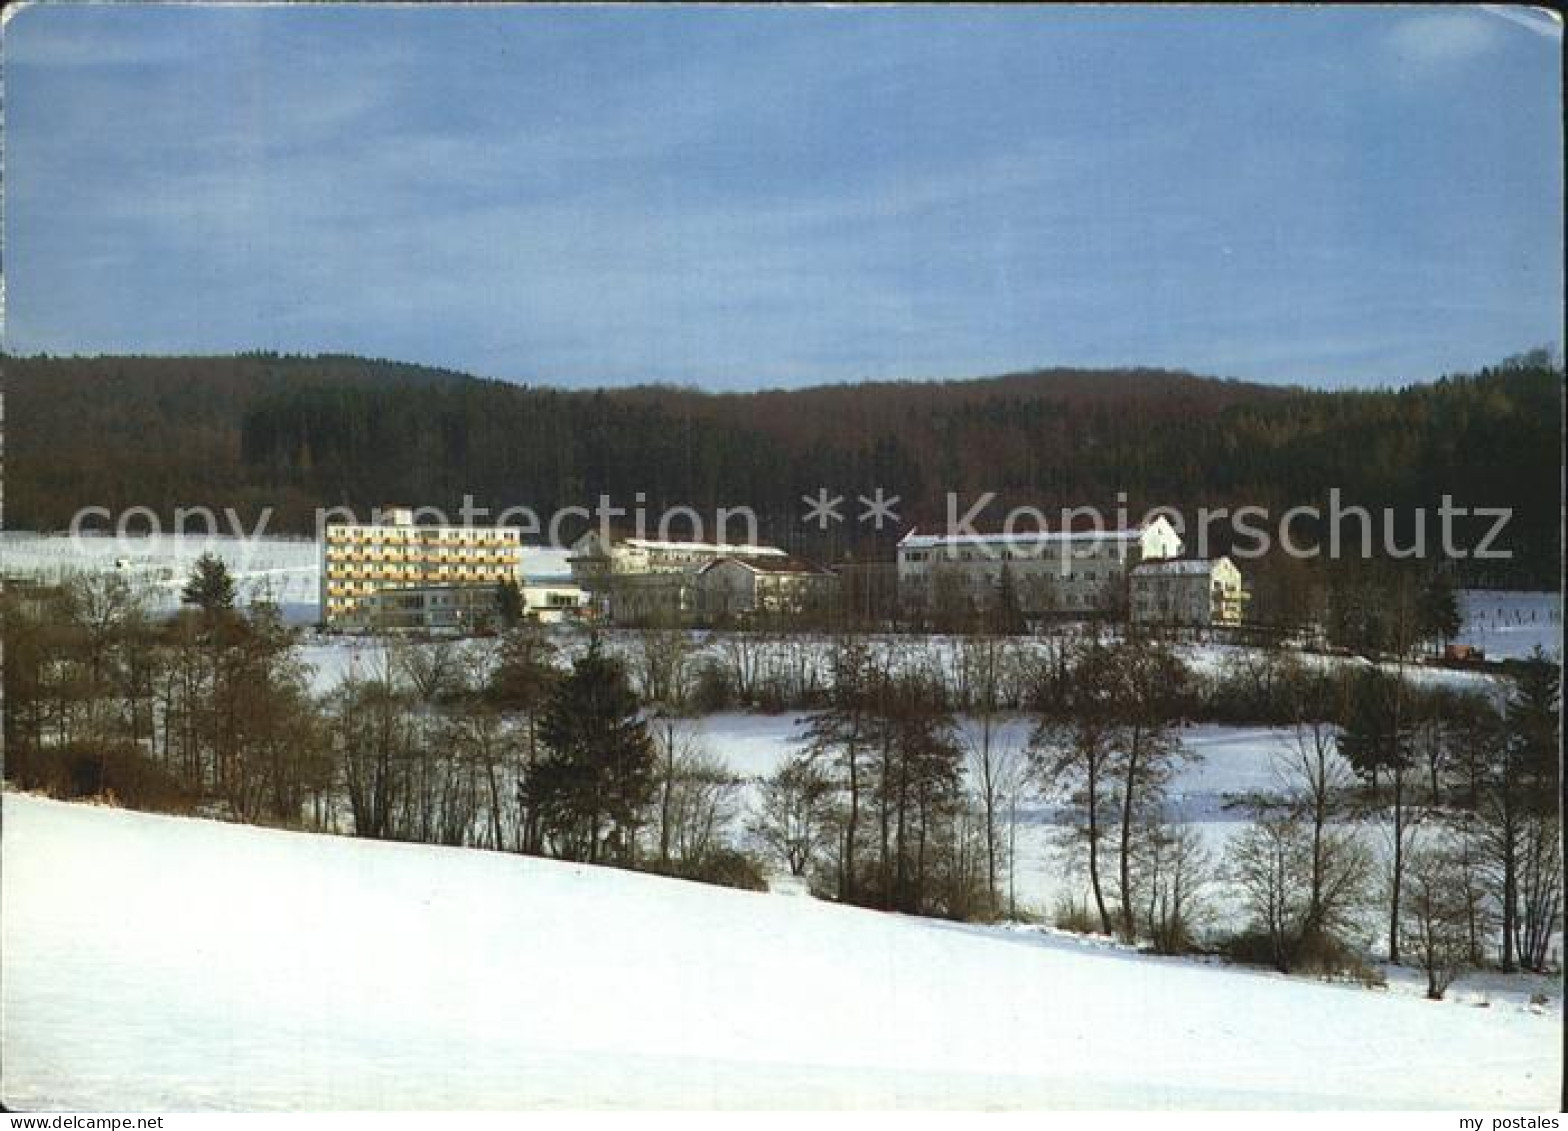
[734, 197]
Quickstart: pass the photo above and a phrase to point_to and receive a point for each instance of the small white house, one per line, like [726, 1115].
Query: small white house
[1186, 591]
[554, 601]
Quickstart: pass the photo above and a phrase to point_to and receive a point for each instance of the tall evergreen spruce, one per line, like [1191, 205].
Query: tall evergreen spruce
[1534, 717]
[509, 604]
[1437, 610]
[1006, 615]
[597, 773]
[210, 586]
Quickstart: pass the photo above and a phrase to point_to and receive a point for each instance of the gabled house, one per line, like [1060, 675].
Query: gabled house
[1187, 591]
[739, 586]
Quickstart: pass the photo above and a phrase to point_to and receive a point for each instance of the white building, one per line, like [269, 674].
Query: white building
[1075, 571]
[554, 601]
[1188, 591]
[595, 557]
[742, 587]
[641, 579]
[360, 560]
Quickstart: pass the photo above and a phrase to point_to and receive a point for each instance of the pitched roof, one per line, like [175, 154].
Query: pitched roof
[785, 564]
[1076, 527]
[917, 541]
[731, 548]
[629, 538]
[1179, 567]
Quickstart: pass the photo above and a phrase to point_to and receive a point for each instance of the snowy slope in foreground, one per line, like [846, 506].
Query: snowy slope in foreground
[160, 963]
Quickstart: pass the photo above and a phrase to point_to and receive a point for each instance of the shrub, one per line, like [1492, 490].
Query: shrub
[1249, 948]
[731, 868]
[723, 867]
[772, 696]
[1076, 916]
[1320, 955]
[113, 769]
[711, 689]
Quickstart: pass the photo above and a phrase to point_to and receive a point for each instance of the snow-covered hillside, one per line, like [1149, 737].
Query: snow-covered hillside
[154, 963]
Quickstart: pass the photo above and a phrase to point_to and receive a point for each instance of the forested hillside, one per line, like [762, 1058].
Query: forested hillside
[298, 432]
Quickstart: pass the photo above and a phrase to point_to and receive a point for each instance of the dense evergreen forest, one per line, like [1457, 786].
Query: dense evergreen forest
[295, 433]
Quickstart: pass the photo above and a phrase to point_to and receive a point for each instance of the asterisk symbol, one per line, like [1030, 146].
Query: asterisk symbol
[879, 508]
[823, 508]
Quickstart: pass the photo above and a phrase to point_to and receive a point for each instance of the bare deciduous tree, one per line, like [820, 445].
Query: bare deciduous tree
[1268, 863]
[661, 661]
[1073, 753]
[1174, 872]
[994, 764]
[1436, 911]
[794, 813]
[1316, 787]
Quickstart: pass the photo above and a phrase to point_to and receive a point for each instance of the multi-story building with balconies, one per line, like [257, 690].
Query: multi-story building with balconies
[359, 560]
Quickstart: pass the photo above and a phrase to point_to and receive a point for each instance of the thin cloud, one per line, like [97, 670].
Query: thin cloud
[1440, 38]
[1544, 22]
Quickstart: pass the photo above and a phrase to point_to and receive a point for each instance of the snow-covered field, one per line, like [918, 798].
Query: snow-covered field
[283, 570]
[1224, 762]
[799, 659]
[1509, 625]
[162, 963]
[1222, 766]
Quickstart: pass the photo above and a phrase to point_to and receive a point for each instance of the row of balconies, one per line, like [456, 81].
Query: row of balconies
[475, 556]
[477, 535]
[413, 561]
[370, 584]
[416, 565]
[339, 548]
[412, 573]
